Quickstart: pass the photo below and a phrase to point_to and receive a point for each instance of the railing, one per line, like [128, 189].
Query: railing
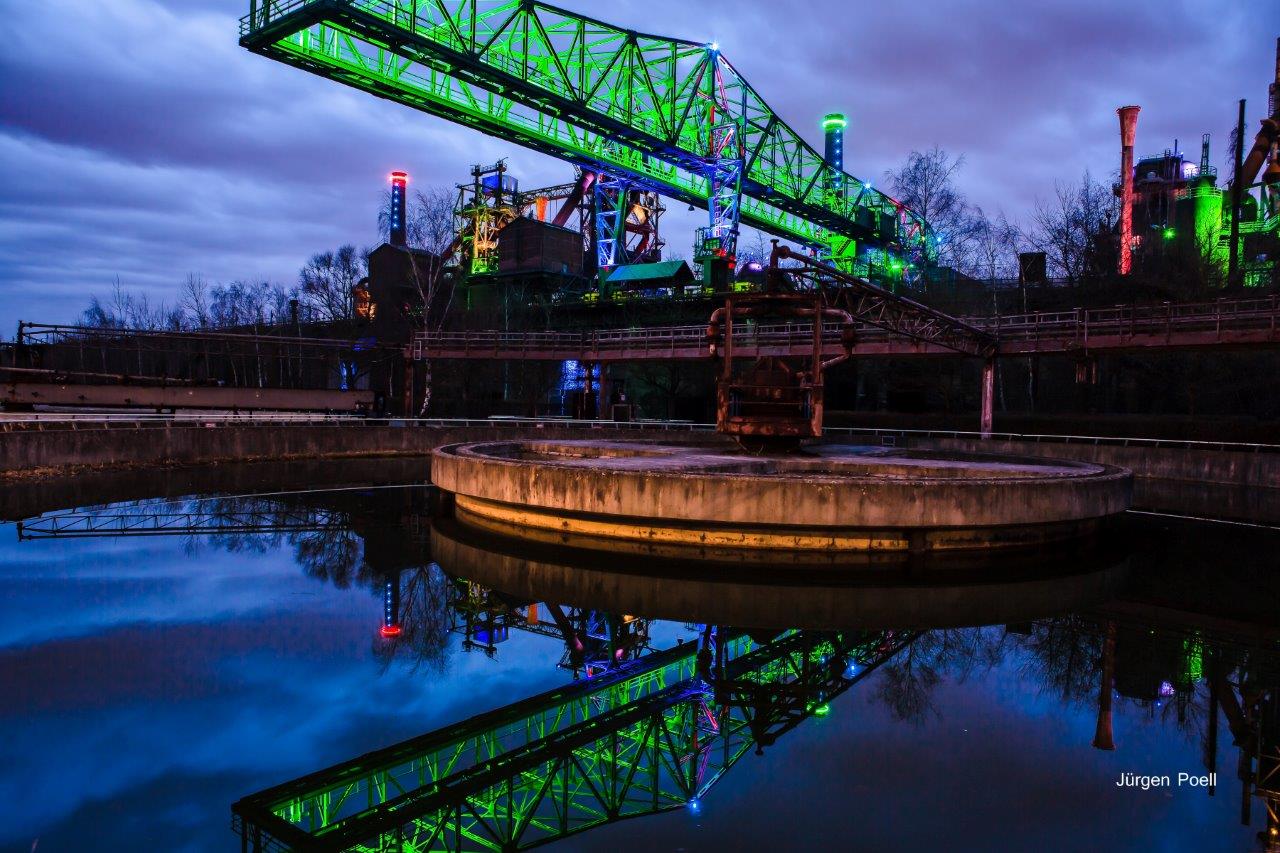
[1075, 326]
[879, 434]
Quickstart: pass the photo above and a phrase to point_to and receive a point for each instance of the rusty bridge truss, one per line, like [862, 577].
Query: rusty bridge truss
[1222, 324]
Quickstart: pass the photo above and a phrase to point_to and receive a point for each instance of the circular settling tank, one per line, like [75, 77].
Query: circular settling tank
[827, 500]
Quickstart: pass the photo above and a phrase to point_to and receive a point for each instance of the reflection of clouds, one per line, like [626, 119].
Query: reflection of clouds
[263, 697]
[72, 587]
[127, 661]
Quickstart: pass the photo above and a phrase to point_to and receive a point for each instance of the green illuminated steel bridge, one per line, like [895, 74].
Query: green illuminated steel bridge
[649, 736]
[662, 113]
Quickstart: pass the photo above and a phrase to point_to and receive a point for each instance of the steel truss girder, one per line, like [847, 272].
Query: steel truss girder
[610, 205]
[643, 752]
[67, 525]
[573, 87]
[883, 309]
[724, 179]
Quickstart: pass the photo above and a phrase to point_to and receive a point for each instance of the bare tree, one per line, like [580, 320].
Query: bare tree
[326, 284]
[926, 184]
[194, 300]
[995, 247]
[128, 310]
[1071, 227]
[247, 304]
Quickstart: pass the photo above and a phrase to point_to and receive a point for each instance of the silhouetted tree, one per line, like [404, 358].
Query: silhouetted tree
[327, 282]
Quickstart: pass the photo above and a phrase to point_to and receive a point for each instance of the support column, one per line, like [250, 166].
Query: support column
[604, 408]
[409, 368]
[988, 397]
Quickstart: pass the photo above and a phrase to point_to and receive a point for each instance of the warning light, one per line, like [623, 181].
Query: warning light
[390, 631]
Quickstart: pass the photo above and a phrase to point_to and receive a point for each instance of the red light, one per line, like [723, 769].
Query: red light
[399, 177]
[390, 630]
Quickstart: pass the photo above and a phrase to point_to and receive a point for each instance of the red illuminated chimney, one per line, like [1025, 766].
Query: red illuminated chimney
[1128, 130]
[399, 184]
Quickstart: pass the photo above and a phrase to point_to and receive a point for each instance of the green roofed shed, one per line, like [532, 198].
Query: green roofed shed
[645, 276]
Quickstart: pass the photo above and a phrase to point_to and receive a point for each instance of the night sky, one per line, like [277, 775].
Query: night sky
[139, 141]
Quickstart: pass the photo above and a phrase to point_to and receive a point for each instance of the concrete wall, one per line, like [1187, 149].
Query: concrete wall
[1217, 483]
[1221, 467]
[1227, 484]
[64, 446]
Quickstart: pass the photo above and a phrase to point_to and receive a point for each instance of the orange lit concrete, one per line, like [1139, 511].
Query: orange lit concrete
[833, 498]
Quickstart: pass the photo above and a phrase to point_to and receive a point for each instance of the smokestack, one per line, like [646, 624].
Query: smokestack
[391, 606]
[1128, 131]
[1273, 91]
[399, 184]
[833, 125]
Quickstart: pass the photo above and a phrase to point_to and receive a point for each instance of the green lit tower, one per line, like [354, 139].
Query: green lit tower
[833, 125]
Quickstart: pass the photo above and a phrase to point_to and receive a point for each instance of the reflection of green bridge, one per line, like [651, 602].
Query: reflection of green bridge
[650, 736]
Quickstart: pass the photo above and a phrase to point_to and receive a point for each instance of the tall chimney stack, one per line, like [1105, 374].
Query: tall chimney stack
[1274, 89]
[833, 125]
[1128, 131]
[399, 183]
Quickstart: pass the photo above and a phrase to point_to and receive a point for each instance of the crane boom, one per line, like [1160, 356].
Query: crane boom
[606, 98]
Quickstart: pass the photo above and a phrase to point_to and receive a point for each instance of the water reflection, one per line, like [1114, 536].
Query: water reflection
[668, 679]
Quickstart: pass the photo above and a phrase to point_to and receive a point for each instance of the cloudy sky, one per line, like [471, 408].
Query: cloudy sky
[139, 142]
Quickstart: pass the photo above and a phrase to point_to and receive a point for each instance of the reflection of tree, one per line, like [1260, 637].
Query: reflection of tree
[1063, 655]
[426, 620]
[906, 683]
[332, 555]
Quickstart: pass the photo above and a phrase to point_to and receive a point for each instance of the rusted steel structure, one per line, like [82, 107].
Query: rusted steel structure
[813, 315]
[1221, 324]
[778, 397]
[773, 398]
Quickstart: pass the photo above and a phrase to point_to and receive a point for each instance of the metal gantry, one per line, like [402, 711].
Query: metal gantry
[649, 736]
[1222, 324]
[606, 98]
[203, 518]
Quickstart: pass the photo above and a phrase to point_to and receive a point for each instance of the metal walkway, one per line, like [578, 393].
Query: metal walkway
[1237, 323]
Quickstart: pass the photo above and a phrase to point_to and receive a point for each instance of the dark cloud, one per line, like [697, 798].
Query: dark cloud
[137, 140]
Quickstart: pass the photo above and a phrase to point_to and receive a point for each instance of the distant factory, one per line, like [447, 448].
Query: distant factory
[1172, 205]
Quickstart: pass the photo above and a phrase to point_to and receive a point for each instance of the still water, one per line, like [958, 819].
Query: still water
[162, 659]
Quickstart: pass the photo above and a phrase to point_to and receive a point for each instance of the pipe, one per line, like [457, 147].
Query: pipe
[1267, 136]
[1237, 188]
[574, 198]
[1128, 132]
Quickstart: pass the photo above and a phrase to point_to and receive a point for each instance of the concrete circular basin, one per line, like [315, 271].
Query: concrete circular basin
[829, 499]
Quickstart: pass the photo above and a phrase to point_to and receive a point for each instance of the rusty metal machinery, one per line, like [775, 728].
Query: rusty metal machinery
[774, 399]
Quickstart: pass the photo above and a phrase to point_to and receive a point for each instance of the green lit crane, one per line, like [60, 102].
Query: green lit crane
[663, 114]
